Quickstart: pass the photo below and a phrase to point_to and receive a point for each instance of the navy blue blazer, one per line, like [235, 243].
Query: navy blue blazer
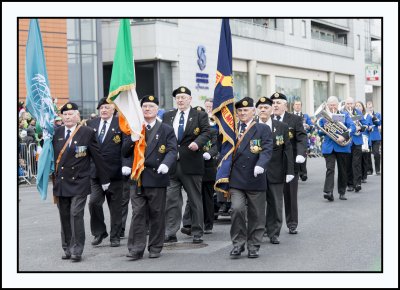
[244, 161]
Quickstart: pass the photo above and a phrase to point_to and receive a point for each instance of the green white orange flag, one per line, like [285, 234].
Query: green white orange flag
[123, 94]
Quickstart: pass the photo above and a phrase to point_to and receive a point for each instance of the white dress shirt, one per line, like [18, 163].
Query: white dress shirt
[280, 120]
[107, 126]
[269, 123]
[176, 120]
[72, 129]
[151, 124]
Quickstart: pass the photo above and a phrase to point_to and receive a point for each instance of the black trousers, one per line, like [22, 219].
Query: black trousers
[72, 210]
[377, 156]
[303, 168]
[290, 199]
[273, 223]
[330, 159]
[128, 186]
[365, 165]
[353, 166]
[114, 201]
[151, 200]
[369, 161]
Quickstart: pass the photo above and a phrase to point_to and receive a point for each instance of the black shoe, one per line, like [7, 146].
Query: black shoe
[329, 196]
[378, 173]
[76, 258]
[350, 188]
[197, 240]
[369, 172]
[186, 231]
[66, 256]
[304, 177]
[236, 251]
[274, 240]
[115, 243]
[252, 254]
[154, 255]
[342, 197]
[134, 256]
[208, 231]
[122, 233]
[98, 239]
[363, 181]
[357, 188]
[222, 209]
[170, 239]
[292, 231]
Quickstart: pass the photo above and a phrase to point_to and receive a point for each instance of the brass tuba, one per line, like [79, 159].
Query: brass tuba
[331, 128]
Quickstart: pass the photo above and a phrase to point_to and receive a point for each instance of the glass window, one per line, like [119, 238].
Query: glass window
[74, 77]
[358, 42]
[89, 77]
[320, 93]
[291, 88]
[165, 83]
[88, 28]
[339, 91]
[303, 28]
[88, 108]
[73, 29]
[88, 47]
[240, 89]
[261, 86]
[73, 46]
[291, 28]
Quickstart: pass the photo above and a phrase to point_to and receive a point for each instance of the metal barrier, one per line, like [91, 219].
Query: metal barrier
[32, 160]
[27, 163]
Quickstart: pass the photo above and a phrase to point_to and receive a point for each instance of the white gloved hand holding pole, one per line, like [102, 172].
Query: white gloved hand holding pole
[206, 156]
[126, 170]
[105, 186]
[163, 169]
[258, 170]
[300, 159]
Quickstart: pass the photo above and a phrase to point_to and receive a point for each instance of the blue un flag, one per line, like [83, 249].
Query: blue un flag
[223, 108]
[39, 103]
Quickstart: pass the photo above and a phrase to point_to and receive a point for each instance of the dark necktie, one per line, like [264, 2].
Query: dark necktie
[67, 137]
[180, 128]
[148, 127]
[242, 129]
[278, 118]
[102, 132]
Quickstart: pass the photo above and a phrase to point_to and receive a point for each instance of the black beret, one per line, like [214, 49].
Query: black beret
[199, 108]
[264, 101]
[69, 106]
[245, 102]
[102, 101]
[181, 90]
[149, 99]
[278, 96]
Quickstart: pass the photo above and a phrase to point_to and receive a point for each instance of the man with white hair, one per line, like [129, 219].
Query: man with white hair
[336, 151]
[74, 146]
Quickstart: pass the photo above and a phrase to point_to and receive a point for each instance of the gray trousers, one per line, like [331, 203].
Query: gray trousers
[151, 200]
[114, 201]
[173, 208]
[254, 231]
[71, 211]
[273, 223]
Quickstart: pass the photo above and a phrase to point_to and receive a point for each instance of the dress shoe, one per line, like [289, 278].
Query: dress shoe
[197, 240]
[154, 255]
[342, 197]
[329, 196]
[76, 258]
[66, 256]
[170, 239]
[357, 188]
[122, 233]
[304, 177]
[292, 231]
[98, 239]
[208, 231]
[350, 188]
[369, 172]
[252, 254]
[274, 240]
[186, 231]
[378, 173]
[115, 243]
[236, 252]
[134, 256]
[363, 181]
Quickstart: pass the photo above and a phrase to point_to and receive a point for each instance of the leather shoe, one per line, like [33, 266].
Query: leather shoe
[66, 256]
[342, 197]
[122, 233]
[154, 255]
[252, 254]
[357, 188]
[197, 240]
[186, 231]
[378, 173]
[76, 258]
[236, 251]
[363, 181]
[170, 239]
[350, 188]
[329, 196]
[134, 256]
[115, 243]
[208, 231]
[292, 231]
[98, 239]
[274, 240]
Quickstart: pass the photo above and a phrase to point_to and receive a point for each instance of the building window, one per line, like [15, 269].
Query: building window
[261, 86]
[165, 84]
[291, 88]
[240, 89]
[320, 93]
[340, 91]
[358, 42]
[291, 28]
[303, 29]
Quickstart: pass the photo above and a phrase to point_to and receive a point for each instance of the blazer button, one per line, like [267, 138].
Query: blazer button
[72, 168]
[62, 167]
[62, 177]
[154, 169]
[243, 166]
[73, 177]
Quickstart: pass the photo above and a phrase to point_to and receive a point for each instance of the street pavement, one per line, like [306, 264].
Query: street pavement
[339, 236]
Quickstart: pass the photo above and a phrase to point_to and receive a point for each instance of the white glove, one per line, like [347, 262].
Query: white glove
[258, 170]
[289, 178]
[300, 159]
[105, 186]
[163, 169]
[135, 137]
[126, 170]
[206, 156]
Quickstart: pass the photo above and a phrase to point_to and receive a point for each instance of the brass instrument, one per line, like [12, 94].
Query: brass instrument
[331, 128]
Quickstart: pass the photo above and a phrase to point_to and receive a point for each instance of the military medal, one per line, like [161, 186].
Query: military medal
[196, 131]
[255, 146]
[161, 149]
[116, 139]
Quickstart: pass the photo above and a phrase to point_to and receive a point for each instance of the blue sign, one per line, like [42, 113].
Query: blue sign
[201, 78]
[201, 53]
